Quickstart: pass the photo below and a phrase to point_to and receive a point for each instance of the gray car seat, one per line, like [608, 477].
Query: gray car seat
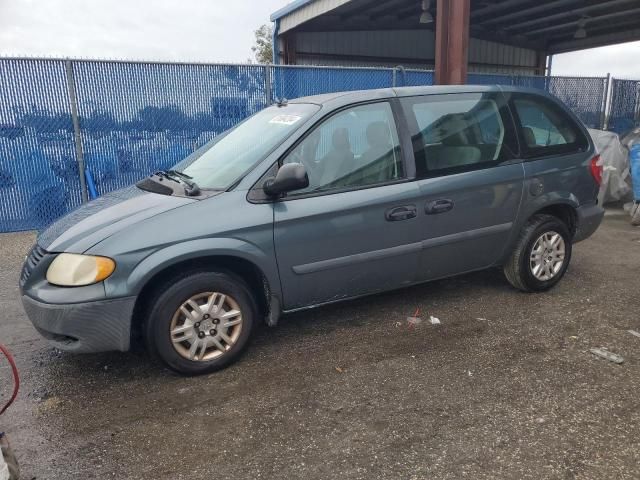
[339, 158]
[455, 149]
[378, 160]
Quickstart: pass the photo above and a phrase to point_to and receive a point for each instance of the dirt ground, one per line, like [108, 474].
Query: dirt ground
[504, 388]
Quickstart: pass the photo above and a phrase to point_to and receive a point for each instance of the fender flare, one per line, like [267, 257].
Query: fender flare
[189, 250]
[534, 205]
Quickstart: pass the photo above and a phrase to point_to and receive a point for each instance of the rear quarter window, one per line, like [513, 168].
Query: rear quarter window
[545, 128]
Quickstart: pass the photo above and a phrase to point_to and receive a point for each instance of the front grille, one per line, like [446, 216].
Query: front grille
[35, 256]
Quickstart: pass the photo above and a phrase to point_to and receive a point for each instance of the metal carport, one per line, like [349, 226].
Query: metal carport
[502, 36]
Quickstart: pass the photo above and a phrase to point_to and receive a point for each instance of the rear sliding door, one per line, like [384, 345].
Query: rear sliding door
[469, 177]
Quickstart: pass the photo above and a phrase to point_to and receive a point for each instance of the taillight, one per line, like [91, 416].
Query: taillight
[596, 169]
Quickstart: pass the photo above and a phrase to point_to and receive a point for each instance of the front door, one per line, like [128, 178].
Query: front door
[355, 229]
[470, 180]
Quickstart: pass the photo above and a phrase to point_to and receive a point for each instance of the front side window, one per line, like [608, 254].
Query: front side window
[354, 148]
[545, 128]
[220, 163]
[454, 133]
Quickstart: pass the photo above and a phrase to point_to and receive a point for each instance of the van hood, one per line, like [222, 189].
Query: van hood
[92, 222]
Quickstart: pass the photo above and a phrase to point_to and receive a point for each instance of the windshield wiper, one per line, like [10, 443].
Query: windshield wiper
[180, 174]
[191, 188]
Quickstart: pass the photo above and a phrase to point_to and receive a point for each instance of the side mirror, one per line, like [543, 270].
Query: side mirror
[290, 176]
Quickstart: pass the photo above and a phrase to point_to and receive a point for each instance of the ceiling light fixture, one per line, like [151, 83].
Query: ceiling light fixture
[581, 32]
[426, 17]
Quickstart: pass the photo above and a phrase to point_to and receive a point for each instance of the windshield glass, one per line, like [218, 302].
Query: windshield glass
[224, 160]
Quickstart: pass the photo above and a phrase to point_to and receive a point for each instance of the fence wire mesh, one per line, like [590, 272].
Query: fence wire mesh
[413, 78]
[135, 117]
[138, 118]
[624, 110]
[584, 95]
[39, 177]
[294, 82]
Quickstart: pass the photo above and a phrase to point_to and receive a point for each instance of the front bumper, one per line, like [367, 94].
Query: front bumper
[589, 219]
[83, 327]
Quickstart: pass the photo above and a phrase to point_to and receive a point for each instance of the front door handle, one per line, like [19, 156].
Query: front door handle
[438, 206]
[401, 213]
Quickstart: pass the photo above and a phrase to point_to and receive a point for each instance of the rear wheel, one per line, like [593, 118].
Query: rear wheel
[541, 256]
[201, 323]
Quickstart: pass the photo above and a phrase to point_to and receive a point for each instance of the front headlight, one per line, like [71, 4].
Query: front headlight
[73, 270]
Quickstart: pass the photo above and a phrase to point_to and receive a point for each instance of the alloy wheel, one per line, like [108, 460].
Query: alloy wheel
[206, 326]
[547, 256]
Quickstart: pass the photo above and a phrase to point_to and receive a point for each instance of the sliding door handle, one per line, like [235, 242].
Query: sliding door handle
[401, 213]
[438, 206]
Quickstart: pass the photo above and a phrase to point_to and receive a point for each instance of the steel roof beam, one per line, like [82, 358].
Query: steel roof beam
[622, 33]
[600, 30]
[575, 23]
[525, 12]
[359, 9]
[570, 13]
[410, 12]
[497, 7]
[393, 8]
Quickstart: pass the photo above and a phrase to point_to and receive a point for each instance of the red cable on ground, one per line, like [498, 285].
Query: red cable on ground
[16, 378]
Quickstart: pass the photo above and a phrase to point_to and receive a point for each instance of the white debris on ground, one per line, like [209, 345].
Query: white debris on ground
[607, 355]
[415, 320]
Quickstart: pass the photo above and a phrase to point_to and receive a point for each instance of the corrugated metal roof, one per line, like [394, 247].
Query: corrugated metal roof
[549, 26]
[301, 11]
[288, 8]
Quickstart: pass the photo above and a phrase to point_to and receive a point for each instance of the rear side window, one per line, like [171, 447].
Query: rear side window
[458, 132]
[545, 128]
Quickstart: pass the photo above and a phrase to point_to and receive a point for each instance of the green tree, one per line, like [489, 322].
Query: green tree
[263, 48]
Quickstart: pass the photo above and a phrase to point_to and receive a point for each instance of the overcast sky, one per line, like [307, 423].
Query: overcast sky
[194, 30]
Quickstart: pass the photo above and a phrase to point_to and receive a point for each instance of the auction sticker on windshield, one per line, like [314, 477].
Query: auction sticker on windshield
[285, 119]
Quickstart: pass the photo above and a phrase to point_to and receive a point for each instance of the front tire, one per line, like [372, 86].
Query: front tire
[201, 323]
[541, 255]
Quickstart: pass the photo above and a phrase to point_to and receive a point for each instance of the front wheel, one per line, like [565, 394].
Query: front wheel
[200, 323]
[541, 255]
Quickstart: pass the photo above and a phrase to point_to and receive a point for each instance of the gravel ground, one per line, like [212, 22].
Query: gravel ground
[504, 388]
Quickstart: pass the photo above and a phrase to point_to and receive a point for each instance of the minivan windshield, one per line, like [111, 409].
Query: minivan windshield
[224, 160]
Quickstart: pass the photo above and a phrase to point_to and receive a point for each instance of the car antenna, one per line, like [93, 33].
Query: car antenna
[282, 102]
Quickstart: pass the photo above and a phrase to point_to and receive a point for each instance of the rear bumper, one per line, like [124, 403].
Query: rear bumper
[83, 327]
[589, 219]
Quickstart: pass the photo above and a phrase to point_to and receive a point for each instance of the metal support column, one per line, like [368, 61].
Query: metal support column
[73, 103]
[605, 102]
[541, 63]
[267, 85]
[452, 41]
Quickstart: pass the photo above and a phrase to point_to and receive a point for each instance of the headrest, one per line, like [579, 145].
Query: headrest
[529, 136]
[454, 129]
[378, 134]
[340, 139]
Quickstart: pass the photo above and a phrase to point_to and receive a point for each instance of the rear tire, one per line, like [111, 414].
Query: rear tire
[541, 255]
[200, 323]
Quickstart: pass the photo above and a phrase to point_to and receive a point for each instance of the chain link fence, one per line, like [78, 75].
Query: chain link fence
[624, 109]
[120, 121]
[586, 96]
[301, 81]
[39, 173]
